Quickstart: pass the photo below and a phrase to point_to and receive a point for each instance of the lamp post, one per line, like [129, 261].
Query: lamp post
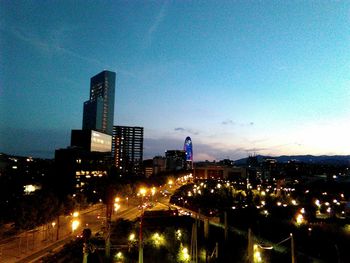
[75, 221]
[292, 247]
[116, 205]
[142, 193]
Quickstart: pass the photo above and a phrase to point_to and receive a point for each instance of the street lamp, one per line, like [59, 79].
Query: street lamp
[116, 207]
[116, 204]
[153, 191]
[184, 256]
[75, 214]
[257, 254]
[75, 221]
[75, 225]
[158, 239]
[170, 183]
[132, 237]
[142, 193]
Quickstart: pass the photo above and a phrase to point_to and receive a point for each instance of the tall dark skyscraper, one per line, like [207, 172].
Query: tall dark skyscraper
[98, 112]
[89, 156]
[127, 149]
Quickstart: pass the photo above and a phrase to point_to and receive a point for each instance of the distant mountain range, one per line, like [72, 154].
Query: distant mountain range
[322, 159]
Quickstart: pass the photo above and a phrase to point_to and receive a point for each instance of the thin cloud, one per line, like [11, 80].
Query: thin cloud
[156, 23]
[30, 39]
[51, 45]
[184, 130]
[228, 122]
[231, 122]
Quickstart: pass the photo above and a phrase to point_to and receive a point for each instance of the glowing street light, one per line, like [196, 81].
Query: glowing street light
[116, 204]
[116, 207]
[75, 224]
[178, 234]
[153, 190]
[299, 219]
[75, 214]
[158, 240]
[119, 256]
[143, 191]
[183, 254]
[257, 254]
[132, 237]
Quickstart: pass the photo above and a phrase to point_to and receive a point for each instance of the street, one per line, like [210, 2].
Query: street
[32, 245]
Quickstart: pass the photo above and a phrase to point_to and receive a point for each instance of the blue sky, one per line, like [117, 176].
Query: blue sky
[238, 77]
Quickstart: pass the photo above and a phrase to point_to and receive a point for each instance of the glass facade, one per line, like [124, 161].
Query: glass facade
[99, 109]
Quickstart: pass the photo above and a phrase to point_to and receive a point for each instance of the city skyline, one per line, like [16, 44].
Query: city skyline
[237, 77]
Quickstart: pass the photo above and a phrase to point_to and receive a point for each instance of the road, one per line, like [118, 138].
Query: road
[32, 245]
[21, 247]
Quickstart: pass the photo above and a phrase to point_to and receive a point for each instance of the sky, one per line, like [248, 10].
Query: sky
[238, 77]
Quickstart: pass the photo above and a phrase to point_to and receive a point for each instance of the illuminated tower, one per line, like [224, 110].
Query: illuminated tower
[98, 112]
[189, 152]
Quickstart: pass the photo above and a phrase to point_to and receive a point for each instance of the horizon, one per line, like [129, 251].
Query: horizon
[235, 160]
[239, 78]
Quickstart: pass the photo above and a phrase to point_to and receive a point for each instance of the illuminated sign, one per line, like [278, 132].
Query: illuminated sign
[100, 142]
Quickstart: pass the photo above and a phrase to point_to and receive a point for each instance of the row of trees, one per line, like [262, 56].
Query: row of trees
[43, 207]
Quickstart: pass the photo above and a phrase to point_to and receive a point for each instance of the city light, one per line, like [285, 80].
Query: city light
[116, 207]
[178, 234]
[75, 214]
[119, 256]
[257, 254]
[317, 203]
[183, 255]
[299, 219]
[143, 191]
[158, 239]
[153, 190]
[75, 225]
[132, 237]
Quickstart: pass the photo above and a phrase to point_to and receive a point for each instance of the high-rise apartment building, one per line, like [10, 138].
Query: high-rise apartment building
[98, 112]
[127, 149]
